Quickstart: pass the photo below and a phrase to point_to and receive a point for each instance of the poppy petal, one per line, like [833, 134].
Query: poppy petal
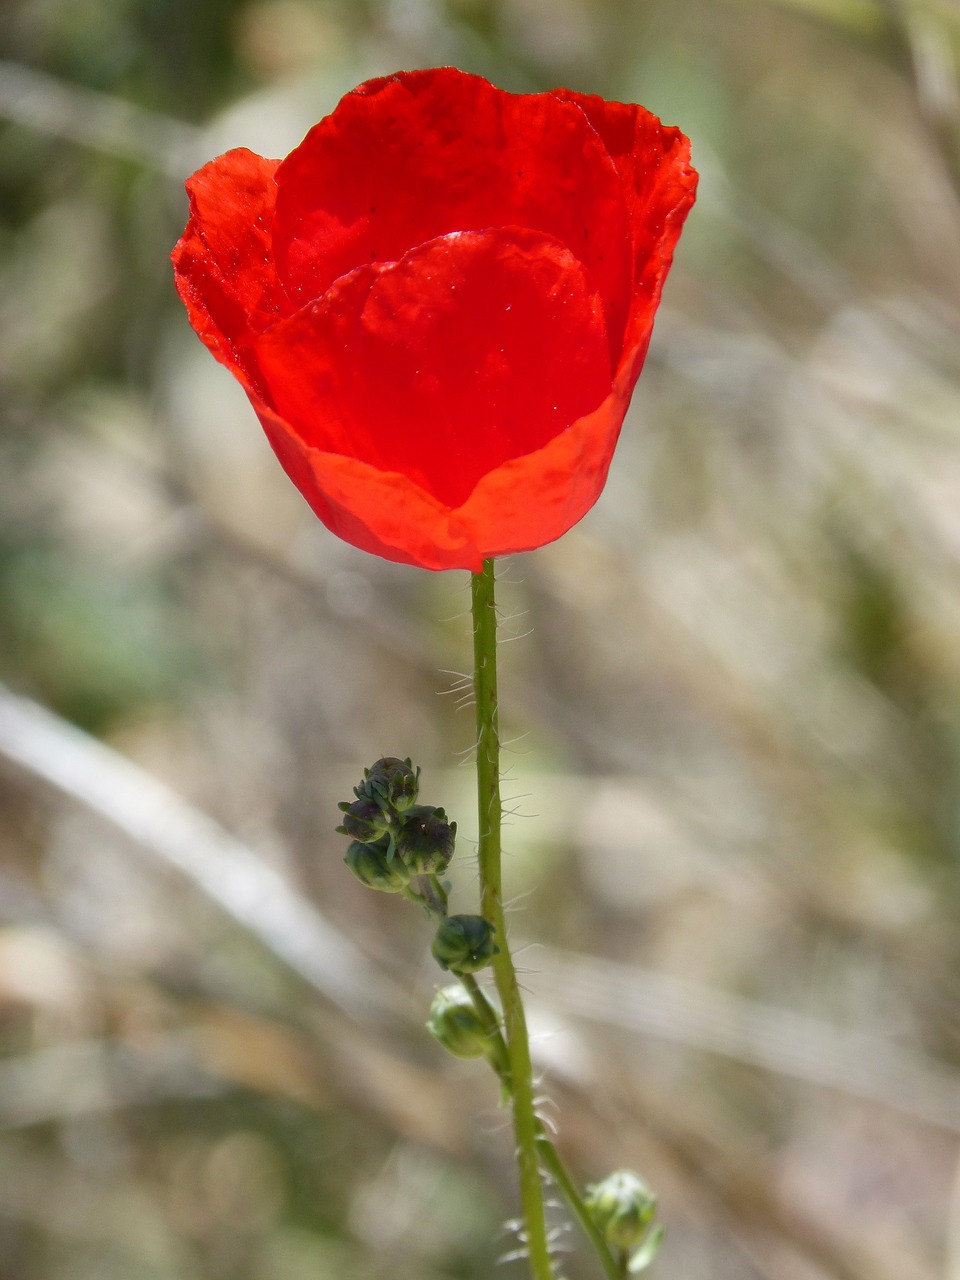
[223, 263]
[559, 484]
[395, 519]
[473, 349]
[405, 159]
[523, 504]
[659, 186]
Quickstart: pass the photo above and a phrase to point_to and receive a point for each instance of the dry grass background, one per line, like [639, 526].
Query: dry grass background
[734, 693]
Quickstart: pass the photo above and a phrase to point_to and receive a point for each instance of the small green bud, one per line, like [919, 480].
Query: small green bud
[394, 782]
[363, 820]
[622, 1206]
[464, 944]
[456, 1024]
[372, 867]
[426, 840]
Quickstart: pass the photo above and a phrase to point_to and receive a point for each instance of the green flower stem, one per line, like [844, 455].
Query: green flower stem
[439, 894]
[491, 905]
[549, 1156]
[500, 1056]
[431, 895]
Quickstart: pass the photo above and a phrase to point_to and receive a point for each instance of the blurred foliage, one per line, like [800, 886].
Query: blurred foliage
[737, 709]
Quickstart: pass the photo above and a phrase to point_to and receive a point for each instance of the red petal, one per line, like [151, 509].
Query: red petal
[223, 261]
[525, 503]
[406, 159]
[395, 519]
[533, 500]
[474, 349]
[659, 185]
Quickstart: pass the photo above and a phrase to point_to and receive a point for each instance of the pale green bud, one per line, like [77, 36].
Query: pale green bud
[456, 1024]
[622, 1206]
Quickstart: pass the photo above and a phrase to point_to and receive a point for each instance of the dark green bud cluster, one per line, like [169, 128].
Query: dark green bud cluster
[402, 839]
[400, 846]
[464, 944]
[455, 1022]
[623, 1207]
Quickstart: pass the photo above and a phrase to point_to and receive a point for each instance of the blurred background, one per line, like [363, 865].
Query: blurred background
[733, 701]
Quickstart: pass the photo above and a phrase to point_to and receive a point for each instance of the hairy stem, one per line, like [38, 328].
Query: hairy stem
[525, 1123]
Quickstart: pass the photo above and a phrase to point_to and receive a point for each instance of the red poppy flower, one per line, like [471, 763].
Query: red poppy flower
[439, 304]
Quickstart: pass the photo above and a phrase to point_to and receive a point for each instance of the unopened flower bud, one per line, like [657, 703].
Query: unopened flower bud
[393, 781]
[456, 1024]
[364, 820]
[426, 840]
[464, 944]
[622, 1206]
[372, 867]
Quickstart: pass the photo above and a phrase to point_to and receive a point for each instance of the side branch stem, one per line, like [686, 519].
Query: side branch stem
[549, 1155]
[525, 1122]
